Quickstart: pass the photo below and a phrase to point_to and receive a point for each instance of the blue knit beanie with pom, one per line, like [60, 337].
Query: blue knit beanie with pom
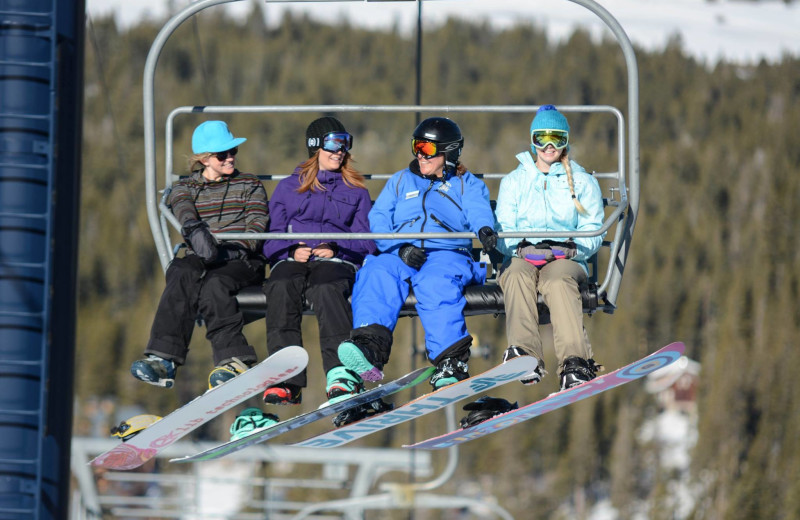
[549, 118]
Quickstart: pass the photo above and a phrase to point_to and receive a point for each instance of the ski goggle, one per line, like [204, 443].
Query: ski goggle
[427, 149]
[558, 138]
[221, 156]
[337, 141]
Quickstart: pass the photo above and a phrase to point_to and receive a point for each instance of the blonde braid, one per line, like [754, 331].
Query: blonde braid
[568, 168]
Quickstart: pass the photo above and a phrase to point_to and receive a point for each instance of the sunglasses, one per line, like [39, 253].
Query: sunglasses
[221, 156]
[337, 141]
[427, 149]
[558, 138]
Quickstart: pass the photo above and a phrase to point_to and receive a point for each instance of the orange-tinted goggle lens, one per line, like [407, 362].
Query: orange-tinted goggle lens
[426, 149]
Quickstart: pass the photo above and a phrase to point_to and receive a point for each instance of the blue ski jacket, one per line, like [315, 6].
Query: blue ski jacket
[530, 200]
[411, 203]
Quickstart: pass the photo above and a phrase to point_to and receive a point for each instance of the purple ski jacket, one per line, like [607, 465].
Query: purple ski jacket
[338, 209]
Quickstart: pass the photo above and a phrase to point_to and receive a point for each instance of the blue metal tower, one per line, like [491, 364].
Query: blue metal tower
[41, 91]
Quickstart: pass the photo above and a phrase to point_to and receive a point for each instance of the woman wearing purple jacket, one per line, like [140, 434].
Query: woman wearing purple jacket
[325, 194]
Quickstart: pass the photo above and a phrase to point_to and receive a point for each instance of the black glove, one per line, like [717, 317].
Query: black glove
[488, 238]
[412, 255]
[485, 408]
[228, 251]
[200, 239]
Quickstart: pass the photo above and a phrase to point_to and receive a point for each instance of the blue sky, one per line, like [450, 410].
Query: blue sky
[735, 31]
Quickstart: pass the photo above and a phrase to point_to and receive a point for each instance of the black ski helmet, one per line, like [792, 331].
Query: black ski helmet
[447, 136]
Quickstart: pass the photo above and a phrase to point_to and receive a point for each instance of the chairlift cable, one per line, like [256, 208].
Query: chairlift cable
[207, 83]
[106, 94]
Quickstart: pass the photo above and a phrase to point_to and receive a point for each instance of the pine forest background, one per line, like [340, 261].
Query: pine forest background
[712, 264]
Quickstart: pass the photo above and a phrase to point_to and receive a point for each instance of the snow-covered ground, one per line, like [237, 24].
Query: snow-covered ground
[710, 30]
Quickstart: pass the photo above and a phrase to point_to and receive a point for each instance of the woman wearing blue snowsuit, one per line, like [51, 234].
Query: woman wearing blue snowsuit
[434, 194]
[548, 192]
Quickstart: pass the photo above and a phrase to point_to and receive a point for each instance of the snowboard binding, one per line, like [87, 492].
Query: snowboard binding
[362, 412]
[484, 409]
[130, 427]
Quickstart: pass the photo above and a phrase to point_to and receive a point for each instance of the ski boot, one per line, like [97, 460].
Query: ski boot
[250, 420]
[360, 360]
[226, 372]
[342, 384]
[528, 379]
[576, 372]
[283, 394]
[360, 412]
[155, 370]
[449, 371]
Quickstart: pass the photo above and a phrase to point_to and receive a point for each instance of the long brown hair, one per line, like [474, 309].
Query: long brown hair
[310, 169]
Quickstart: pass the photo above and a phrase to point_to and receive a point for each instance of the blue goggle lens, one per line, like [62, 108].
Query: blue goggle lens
[337, 141]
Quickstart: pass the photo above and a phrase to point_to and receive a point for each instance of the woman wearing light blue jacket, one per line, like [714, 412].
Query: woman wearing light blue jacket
[548, 192]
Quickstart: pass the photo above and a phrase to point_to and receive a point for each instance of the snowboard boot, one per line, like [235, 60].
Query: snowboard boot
[251, 420]
[576, 372]
[130, 427]
[155, 370]
[484, 409]
[342, 383]
[528, 379]
[226, 372]
[449, 371]
[360, 412]
[283, 394]
[360, 360]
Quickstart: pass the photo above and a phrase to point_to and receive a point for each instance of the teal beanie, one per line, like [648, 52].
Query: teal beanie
[548, 118]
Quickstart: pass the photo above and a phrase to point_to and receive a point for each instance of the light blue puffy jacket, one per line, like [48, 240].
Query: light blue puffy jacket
[529, 200]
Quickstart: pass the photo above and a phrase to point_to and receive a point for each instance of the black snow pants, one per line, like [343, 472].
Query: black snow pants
[326, 285]
[193, 289]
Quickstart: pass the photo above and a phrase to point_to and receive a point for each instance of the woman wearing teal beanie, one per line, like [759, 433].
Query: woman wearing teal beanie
[548, 192]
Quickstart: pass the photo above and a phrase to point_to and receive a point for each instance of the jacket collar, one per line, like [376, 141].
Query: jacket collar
[414, 167]
[323, 176]
[197, 177]
[526, 159]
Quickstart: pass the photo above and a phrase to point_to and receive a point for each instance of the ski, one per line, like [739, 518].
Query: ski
[641, 368]
[512, 370]
[407, 381]
[142, 447]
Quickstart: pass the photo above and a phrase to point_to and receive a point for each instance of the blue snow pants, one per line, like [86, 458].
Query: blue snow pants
[382, 286]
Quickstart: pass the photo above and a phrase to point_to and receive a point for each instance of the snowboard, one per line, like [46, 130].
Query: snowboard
[641, 368]
[512, 370]
[142, 447]
[407, 381]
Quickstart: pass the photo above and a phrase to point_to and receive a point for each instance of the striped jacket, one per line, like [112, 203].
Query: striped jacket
[233, 204]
